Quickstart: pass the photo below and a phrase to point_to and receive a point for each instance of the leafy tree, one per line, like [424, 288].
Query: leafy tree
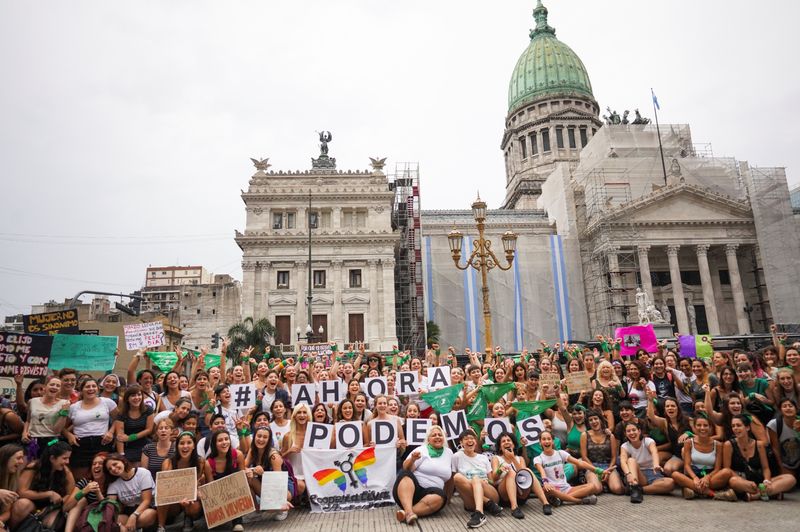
[250, 332]
[433, 332]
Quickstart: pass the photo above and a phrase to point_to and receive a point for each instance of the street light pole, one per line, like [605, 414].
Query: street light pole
[483, 259]
[309, 296]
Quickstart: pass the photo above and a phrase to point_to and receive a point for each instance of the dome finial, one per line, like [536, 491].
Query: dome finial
[540, 16]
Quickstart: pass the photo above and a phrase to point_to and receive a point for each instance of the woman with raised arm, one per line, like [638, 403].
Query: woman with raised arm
[672, 429]
[508, 470]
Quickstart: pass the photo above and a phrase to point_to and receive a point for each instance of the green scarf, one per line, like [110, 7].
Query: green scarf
[434, 452]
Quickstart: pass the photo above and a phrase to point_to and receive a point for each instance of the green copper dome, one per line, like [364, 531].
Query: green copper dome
[547, 67]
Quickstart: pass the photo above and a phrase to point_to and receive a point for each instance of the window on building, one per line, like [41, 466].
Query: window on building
[724, 277]
[559, 137]
[213, 311]
[317, 321]
[690, 277]
[313, 220]
[523, 146]
[571, 138]
[283, 330]
[319, 278]
[355, 278]
[584, 140]
[361, 218]
[163, 273]
[213, 294]
[534, 147]
[283, 279]
[325, 219]
[277, 220]
[289, 220]
[355, 329]
[198, 310]
[545, 140]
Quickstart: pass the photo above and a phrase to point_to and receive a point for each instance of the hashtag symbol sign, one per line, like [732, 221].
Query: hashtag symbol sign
[242, 396]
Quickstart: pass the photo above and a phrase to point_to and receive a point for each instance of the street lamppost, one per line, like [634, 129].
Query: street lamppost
[310, 336]
[483, 259]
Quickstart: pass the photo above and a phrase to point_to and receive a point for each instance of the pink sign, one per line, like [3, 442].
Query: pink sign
[636, 337]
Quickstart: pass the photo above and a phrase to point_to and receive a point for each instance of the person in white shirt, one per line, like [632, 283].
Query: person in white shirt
[550, 465]
[471, 479]
[641, 466]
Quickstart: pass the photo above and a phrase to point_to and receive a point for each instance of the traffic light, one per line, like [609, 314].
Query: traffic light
[126, 309]
[214, 340]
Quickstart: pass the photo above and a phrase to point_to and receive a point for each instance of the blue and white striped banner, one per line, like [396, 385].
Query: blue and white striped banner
[560, 285]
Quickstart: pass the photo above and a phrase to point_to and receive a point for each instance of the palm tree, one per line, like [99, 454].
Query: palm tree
[433, 332]
[250, 332]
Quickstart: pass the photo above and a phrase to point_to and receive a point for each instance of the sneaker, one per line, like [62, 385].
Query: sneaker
[161, 529]
[477, 519]
[188, 524]
[591, 499]
[688, 494]
[492, 508]
[725, 495]
[556, 502]
[516, 513]
[637, 495]
[547, 509]
[238, 528]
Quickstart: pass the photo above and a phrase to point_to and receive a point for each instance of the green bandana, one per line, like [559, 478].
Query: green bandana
[434, 452]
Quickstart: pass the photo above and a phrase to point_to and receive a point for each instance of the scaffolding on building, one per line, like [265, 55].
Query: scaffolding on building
[409, 294]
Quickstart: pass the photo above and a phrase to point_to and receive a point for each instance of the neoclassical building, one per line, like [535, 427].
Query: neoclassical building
[352, 253]
[711, 240]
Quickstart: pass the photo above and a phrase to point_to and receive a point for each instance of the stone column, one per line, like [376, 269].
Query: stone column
[616, 288]
[336, 218]
[644, 271]
[742, 323]
[248, 288]
[681, 315]
[258, 292]
[709, 301]
[337, 328]
[372, 335]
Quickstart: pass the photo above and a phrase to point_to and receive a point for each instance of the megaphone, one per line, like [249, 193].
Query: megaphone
[524, 479]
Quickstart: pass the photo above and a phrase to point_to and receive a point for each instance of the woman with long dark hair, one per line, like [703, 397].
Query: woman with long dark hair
[88, 490]
[133, 488]
[264, 457]
[599, 448]
[134, 424]
[90, 431]
[46, 483]
[641, 466]
[12, 462]
[224, 460]
[702, 474]
[784, 437]
[185, 458]
[669, 432]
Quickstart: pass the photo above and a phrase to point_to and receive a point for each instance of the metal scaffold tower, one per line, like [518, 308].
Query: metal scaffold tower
[409, 302]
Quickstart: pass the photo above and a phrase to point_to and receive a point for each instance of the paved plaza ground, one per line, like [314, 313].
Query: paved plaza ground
[611, 513]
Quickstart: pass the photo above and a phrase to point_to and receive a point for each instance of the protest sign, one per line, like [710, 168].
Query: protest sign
[375, 386]
[175, 485]
[383, 432]
[163, 360]
[636, 337]
[243, 396]
[438, 377]
[407, 383]
[349, 434]
[24, 354]
[57, 322]
[578, 382]
[138, 335]
[454, 424]
[551, 379]
[273, 489]
[349, 479]
[83, 353]
[331, 391]
[494, 426]
[315, 352]
[695, 346]
[304, 393]
[531, 429]
[318, 436]
[226, 499]
[416, 429]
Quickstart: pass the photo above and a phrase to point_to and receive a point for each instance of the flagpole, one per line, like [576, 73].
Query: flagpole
[658, 131]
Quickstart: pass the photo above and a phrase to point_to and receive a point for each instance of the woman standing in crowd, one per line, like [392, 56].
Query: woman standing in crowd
[34, 389]
[157, 452]
[599, 402]
[90, 431]
[419, 489]
[133, 488]
[144, 378]
[45, 484]
[47, 416]
[224, 408]
[280, 423]
[172, 392]
[110, 387]
[292, 444]
[224, 460]
[784, 387]
[382, 414]
[185, 458]
[637, 383]
[133, 425]
[641, 466]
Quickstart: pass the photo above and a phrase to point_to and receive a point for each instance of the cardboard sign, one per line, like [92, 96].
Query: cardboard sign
[316, 353]
[318, 436]
[243, 396]
[349, 434]
[138, 335]
[438, 377]
[83, 353]
[578, 382]
[274, 485]
[176, 485]
[24, 354]
[494, 426]
[58, 322]
[416, 429]
[331, 391]
[551, 379]
[375, 386]
[407, 383]
[531, 429]
[303, 394]
[226, 499]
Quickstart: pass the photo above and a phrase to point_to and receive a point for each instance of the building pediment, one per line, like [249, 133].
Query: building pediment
[283, 299]
[681, 203]
[355, 298]
[322, 299]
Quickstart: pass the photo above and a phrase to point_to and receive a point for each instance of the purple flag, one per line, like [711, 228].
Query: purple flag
[687, 344]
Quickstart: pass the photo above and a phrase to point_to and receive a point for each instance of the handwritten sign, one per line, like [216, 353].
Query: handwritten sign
[83, 353]
[138, 335]
[273, 489]
[226, 499]
[176, 485]
[61, 321]
[578, 382]
[24, 354]
[551, 379]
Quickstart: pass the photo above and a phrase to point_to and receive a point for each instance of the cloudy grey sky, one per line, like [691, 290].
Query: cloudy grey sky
[127, 128]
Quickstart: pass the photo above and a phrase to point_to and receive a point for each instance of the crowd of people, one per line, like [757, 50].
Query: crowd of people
[726, 428]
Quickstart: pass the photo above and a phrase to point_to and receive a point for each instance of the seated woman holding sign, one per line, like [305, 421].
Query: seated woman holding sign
[261, 458]
[224, 460]
[185, 457]
[471, 479]
[513, 479]
[420, 487]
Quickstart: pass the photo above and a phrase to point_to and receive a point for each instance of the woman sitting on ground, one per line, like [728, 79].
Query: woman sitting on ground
[471, 479]
[12, 462]
[133, 488]
[185, 458]
[224, 460]
[550, 465]
[264, 457]
[419, 489]
[599, 448]
[641, 466]
[702, 472]
[45, 484]
[88, 490]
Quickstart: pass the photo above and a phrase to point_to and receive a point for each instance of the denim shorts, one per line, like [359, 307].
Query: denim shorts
[651, 475]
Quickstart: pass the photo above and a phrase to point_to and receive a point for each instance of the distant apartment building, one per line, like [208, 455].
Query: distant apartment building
[163, 284]
[209, 308]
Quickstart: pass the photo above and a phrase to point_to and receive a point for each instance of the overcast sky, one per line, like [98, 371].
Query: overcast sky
[126, 128]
